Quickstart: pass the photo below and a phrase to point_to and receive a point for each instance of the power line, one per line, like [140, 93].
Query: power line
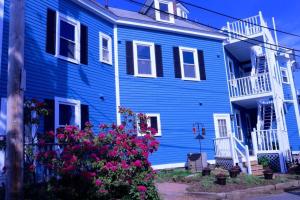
[226, 32]
[236, 18]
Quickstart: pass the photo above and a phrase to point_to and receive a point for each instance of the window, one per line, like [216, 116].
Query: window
[144, 59]
[105, 49]
[68, 42]
[284, 74]
[222, 125]
[67, 112]
[231, 69]
[163, 8]
[189, 64]
[239, 129]
[153, 121]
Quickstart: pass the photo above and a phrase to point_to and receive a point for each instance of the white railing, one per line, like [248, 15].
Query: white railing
[243, 151]
[250, 85]
[265, 141]
[246, 27]
[223, 147]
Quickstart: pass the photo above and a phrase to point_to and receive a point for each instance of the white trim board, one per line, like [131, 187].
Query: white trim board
[117, 77]
[177, 165]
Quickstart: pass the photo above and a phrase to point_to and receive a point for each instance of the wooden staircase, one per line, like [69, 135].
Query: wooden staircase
[257, 170]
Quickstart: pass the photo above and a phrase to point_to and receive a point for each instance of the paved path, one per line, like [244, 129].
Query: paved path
[295, 195]
[173, 191]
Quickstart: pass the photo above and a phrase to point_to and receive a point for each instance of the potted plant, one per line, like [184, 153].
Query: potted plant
[221, 179]
[206, 171]
[264, 161]
[234, 171]
[268, 174]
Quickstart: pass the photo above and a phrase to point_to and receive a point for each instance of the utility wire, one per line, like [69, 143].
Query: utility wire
[235, 18]
[226, 32]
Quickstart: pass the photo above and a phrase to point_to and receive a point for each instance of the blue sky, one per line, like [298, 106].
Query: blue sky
[286, 13]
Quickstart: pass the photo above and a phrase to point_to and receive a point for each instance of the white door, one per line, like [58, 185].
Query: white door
[223, 131]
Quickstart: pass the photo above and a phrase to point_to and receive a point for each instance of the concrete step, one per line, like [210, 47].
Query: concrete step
[257, 167]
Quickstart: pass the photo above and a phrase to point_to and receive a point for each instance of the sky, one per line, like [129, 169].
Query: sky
[285, 12]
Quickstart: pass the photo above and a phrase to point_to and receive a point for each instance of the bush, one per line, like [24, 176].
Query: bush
[111, 164]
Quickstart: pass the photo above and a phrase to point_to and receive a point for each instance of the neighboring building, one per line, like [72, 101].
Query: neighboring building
[86, 60]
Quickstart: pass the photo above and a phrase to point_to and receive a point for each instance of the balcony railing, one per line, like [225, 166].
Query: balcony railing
[246, 27]
[250, 85]
[265, 141]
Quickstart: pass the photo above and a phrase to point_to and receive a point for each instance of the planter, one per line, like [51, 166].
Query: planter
[206, 172]
[268, 175]
[221, 180]
[233, 173]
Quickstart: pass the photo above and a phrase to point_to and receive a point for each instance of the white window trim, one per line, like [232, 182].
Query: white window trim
[231, 69]
[241, 127]
[76, 23]
[148, 115]
[108, 38]
[170, 10]
[152, 57]
[228, 123]
[197, 71]
[287, 75]
[76, 103]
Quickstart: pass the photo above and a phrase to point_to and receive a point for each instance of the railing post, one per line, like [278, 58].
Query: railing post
[231, 144]
[229, 31]
[254, 142]
[248, 160]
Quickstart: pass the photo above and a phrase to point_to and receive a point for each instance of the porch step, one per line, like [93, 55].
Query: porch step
[257, 170]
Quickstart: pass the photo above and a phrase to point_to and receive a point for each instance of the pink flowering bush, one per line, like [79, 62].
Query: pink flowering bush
[111, 164]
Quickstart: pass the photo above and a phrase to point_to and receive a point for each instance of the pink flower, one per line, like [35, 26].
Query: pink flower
[101, 136]
[141, 188]
[121, 127]
[61, 136]
[137, 163]
[98, 182]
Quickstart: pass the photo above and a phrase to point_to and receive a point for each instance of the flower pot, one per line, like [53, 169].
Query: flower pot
[233, 173]
[268, 176]
[206, 172]
[221, 180]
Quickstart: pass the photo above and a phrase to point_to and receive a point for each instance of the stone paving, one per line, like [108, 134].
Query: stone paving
[295, 195]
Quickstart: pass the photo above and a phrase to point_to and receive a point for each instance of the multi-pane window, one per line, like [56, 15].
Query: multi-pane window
[222, 126]
[284, 74]
[189, 64]
[144, 59]
[68, 38]
[105, 48]
[164, 11]
[239, 127]
[67, 112]
[153, 121]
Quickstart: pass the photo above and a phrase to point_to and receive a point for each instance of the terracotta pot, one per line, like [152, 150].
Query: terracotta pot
[268, 175]
[233, 173]
[221, 180]
[206, 172]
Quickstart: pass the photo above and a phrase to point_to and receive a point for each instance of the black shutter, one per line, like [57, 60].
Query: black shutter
[49, 119]
[159, 63]
[177, 67]
[84, 115]
[51, 32]
[83, 44]
[129, 58]
[201, 65]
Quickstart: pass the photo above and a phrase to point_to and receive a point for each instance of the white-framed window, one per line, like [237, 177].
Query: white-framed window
[144, 59]
[222, 125]
[105, 48]
[67, 112]
[67, 38]
[231, 68]
[189, 64]
[153, 121]
[164, 11]
[284, 75]
[239, 129]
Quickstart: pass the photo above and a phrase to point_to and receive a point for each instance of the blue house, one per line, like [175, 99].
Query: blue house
[86, 60]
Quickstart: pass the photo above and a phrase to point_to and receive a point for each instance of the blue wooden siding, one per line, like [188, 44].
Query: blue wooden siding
[48, 76]
[292, 127]
[180, 103]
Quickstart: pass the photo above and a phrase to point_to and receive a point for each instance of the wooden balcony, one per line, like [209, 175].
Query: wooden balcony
[250, 86]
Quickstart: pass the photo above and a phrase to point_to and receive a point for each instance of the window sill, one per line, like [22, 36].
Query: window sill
[145, 76]
[68, 59]
[191, 79]
[106, 62]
